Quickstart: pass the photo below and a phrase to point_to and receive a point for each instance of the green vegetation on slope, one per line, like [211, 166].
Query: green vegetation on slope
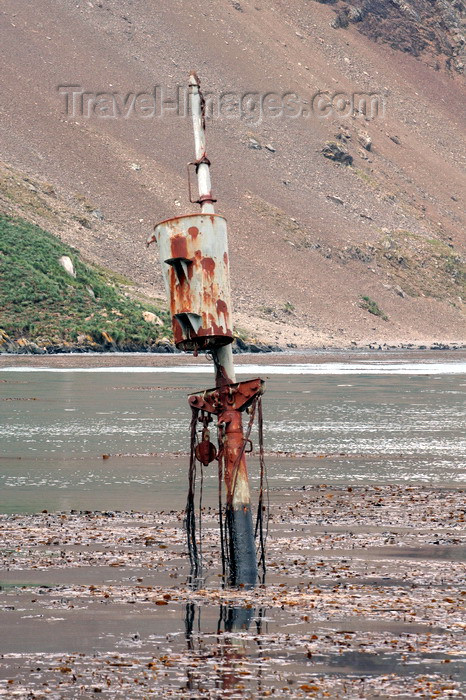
[40, 301]
[372, 307]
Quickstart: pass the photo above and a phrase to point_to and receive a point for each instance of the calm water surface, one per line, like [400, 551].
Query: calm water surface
[371, 422]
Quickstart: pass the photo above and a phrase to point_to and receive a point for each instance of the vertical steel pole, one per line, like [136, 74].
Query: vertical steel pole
[241, 545]
[238, 515]
[223, 356]
[202, 164]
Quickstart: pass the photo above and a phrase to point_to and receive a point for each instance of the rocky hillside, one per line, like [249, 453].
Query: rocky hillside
[432, 31]
[345, 215]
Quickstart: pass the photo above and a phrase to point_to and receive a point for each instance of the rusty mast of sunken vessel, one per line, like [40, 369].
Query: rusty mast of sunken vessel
[194, 256]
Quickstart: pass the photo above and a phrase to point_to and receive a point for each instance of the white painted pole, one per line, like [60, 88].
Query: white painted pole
[223, 356]
[203, 169]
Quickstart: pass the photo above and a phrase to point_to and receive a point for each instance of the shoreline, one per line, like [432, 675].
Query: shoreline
[286, 357]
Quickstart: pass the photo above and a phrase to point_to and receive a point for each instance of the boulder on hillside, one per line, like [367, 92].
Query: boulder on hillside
[365, 140]
[152, 318]
[335, 152]
[67, 265]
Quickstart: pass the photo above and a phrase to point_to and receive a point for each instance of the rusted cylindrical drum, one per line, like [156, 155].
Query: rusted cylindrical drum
[194, 256]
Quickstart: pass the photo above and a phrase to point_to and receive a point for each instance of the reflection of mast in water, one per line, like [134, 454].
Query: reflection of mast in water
[229, 648]
[234, 619]
[190, 614]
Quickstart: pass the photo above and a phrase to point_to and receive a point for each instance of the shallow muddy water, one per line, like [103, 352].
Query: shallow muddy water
[365, 603]
[353, 423]
[364, 594]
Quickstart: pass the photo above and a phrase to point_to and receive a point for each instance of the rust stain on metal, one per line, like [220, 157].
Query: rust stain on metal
[179, 247]
[177, 331]
[217, 330]
[222, 308]
[237, 396]
[196, 274]
[208, 265]
[236, 471]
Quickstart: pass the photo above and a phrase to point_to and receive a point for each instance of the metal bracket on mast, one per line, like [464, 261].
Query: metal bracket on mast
[202, 198]
[237, 397]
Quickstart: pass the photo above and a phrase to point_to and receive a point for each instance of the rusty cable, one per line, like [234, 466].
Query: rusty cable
[205, 419]
[221, 458]
[260, 505]
[201, 488]
[190, 520]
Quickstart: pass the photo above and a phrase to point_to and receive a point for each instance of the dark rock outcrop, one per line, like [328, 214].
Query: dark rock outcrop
[432, 30]
[335, 152]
